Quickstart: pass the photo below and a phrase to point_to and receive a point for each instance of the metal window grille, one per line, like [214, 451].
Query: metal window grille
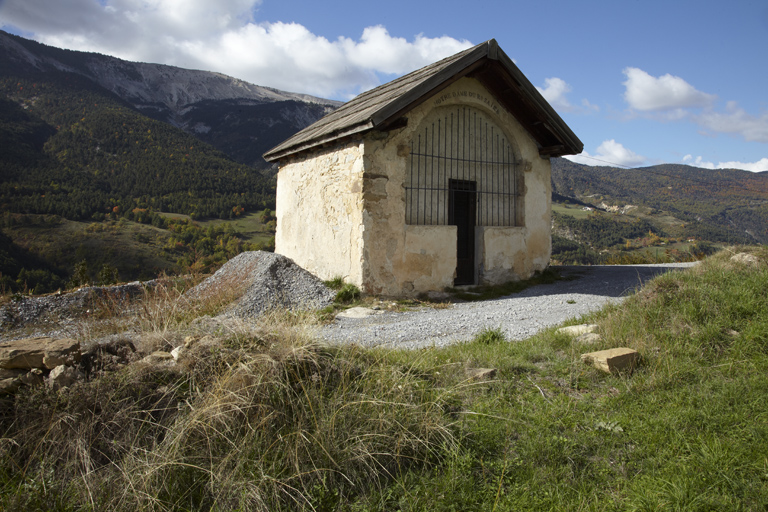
[462, 145]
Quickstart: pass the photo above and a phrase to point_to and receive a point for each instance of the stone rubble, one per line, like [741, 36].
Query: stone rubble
[57, 312]
[32, 361]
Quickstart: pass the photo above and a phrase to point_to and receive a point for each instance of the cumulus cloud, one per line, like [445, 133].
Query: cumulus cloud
[759, 166]
[736, 121]
[609, 152]
[223, 36]
[665, 93]
[554, 92]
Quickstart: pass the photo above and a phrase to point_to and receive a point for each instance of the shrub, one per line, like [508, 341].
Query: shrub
[348, 293]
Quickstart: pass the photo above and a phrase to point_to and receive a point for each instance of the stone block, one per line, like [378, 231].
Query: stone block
[62, 377]
[613, 360]
[33, 377]
[589, 338]
[357, 312]
[10, 380]
[578, 330]
[44, 353]
[159, 357]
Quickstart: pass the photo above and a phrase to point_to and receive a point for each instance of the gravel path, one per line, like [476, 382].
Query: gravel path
[520, 315]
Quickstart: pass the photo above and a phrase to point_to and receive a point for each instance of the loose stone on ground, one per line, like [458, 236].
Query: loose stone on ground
[613, 360]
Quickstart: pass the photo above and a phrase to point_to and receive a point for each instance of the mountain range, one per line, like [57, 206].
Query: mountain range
[88, 137]
[241, 119]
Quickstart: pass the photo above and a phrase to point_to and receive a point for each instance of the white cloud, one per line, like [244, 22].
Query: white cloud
[736, 121]
[223, 36]
[666, 93]
[589, 107]
[759, 166]
[609, 152]
[554, 92]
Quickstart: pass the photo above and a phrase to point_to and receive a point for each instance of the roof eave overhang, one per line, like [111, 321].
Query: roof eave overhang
[274, 155]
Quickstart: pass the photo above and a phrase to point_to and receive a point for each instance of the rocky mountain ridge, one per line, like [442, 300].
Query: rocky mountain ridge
[223, 111]
[142, 84]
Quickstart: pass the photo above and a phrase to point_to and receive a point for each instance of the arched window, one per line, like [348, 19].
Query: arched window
[462, 164]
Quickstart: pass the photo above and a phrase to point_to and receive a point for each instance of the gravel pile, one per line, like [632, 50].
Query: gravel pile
[520, 315]
[56, 313]
[261, 281]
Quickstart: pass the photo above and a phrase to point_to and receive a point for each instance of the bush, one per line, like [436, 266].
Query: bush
[348, 293]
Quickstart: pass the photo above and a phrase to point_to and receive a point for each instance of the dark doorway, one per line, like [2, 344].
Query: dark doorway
[462, 211]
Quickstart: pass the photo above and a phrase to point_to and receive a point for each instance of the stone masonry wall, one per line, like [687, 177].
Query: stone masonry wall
[400, 259]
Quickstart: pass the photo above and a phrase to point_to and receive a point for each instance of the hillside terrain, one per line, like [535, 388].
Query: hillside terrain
[216, 108]
[89, 138]
[724, 201]
[653, 214]
[91, 145]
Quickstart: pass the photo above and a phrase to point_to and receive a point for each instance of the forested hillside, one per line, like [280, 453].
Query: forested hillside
[72, 149]
[725, 205]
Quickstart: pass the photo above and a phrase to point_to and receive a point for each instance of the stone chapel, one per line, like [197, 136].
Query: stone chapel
[439, 178]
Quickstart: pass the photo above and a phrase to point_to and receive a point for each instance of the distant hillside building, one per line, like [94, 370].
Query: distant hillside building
[436, 179]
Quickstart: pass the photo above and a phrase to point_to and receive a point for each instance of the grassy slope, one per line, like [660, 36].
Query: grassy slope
[267, 420]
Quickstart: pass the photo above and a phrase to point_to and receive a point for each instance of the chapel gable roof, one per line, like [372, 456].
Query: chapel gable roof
[382, 108]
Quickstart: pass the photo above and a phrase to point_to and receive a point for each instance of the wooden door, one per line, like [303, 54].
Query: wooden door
[462, 212]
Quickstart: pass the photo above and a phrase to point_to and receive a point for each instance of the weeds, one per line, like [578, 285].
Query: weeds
[347, 293]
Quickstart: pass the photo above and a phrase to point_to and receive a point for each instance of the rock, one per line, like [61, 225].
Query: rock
[8, 386]
[33, 377]
[357, 312]
[589, 338]
[178, 352]
[745, 259]
[62, 377]
[11, 374]
[577, 330]
[45, 353]
[108, 354]
[481, 373]
[613, 360]
[10, 380]
[158, 356]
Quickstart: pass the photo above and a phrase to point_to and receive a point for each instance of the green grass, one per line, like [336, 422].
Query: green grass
[266, 419]
[249, 225]
[574, 210]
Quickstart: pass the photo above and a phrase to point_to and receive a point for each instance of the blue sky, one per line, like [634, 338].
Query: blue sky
[641, 82]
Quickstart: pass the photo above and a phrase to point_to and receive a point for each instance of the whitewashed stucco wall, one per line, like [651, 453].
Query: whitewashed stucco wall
[320, 212]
